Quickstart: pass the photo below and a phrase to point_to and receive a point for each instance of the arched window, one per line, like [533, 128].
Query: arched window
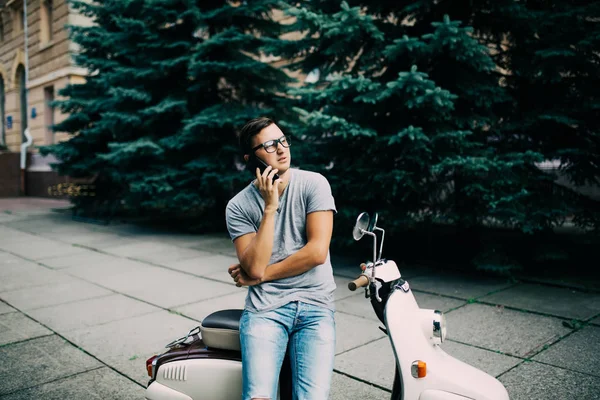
[23, 99]
[46, 19]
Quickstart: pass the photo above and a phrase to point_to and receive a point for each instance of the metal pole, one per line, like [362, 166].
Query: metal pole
[25, 93]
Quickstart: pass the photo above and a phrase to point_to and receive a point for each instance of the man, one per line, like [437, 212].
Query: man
[281, 231]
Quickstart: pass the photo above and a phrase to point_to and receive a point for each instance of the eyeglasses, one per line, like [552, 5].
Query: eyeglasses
[271, 145]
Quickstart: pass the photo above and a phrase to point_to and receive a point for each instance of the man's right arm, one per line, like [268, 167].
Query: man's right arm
[254, 249]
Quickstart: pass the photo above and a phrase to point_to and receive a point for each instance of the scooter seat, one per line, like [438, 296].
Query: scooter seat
[221, 330]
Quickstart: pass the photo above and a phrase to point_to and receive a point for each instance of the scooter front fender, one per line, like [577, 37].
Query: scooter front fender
[445, 374]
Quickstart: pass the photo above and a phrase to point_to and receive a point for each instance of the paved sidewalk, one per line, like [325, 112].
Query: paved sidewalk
[82, 306]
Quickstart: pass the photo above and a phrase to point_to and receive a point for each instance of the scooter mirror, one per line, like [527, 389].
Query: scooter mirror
[362, 223]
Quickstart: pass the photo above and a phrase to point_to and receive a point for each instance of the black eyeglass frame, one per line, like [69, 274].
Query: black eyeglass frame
[273, 143]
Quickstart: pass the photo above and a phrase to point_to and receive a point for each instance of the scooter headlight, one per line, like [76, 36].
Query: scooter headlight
[439, 327]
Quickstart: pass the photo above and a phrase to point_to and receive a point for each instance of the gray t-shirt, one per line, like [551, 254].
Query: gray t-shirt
[306, 192]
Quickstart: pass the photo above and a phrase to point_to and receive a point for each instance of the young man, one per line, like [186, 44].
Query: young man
[281, 231]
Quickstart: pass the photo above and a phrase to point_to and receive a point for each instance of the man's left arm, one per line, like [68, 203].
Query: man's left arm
[319, 228]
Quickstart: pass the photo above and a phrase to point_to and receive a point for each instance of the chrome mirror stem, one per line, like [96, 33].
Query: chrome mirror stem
[381, 245]
[374, 251]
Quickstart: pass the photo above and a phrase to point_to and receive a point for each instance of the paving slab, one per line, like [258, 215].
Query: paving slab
[485, 360]
[40, 248]
[596, 321]
[437, 302]
[532, 380]
[456, 284]
[23, 203]
[216, 244]
[105, 241]
[222, 276]
[154, 252]
[356, 305]
[561, 302]
[202, 309]
[25, 274]
[166, 288]
[16, 327]
[103, 273]
[126, 344]
[51, 227]
[353, 332]
[139, 248]
[374, 362]
[134, 367]
[178, 239]
[360, 306]
[53, 294]
[40, 361]
[173, 254]
[5, 308]
[583, 280]
[98, 384]
[7, 258]
[342, 291]
[92, 312]
[499, 329]
[344, 388]
[8, 217]
[204, 264]
[90, 257]
[14, 236]
[577, 352]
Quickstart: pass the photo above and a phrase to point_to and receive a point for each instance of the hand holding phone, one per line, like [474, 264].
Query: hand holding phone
[255, 162]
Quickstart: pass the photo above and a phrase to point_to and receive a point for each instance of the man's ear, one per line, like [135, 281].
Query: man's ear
[246, 157]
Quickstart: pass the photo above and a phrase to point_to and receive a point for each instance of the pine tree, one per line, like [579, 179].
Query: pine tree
[553, 54]
[545, 52]
[408, 121]
[231, 82]
[155, 122]
[136, 94]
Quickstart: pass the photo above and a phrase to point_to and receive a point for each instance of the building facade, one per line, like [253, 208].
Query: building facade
[25, 101]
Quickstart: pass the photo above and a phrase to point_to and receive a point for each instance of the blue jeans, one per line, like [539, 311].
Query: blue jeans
[264, 338]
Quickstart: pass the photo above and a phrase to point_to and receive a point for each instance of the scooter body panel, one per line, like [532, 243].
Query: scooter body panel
[157, 391]
[444, 373]
[197, 379]
[431, 394]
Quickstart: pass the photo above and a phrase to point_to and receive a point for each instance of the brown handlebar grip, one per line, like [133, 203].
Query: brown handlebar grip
[358, 282]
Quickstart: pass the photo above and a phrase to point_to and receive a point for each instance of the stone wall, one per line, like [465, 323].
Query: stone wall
[10, 174]
[50, 69]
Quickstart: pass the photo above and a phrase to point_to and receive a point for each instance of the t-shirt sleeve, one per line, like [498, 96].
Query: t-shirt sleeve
[319, 195]
[238, 223]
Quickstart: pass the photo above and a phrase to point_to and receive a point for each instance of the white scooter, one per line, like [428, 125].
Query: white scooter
[206, 363]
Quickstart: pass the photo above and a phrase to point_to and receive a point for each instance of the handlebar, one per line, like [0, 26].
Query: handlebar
[361, 281]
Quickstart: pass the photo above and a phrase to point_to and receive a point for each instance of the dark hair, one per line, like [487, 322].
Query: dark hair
[250, 129]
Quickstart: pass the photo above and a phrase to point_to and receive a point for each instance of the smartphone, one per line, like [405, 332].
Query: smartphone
[254, 162]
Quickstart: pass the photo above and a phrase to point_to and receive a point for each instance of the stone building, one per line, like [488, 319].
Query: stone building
[50, 68]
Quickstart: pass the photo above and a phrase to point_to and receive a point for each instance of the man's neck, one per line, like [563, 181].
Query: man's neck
[285, 179]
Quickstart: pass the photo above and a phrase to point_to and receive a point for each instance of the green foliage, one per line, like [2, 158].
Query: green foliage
[404, 124]
[494, 259]
[155, 122]
[440, 113]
